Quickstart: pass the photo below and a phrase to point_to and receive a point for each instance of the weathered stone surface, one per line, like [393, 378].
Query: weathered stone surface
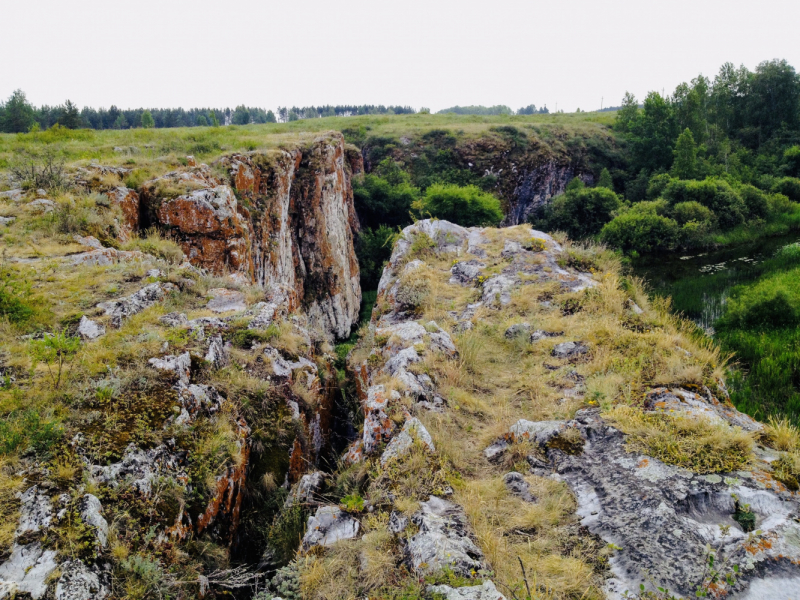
[540, 432]
[413, 431]
[78, 582]
[90, 330]
[397, 522]
[266, 313]
[7, 220]
[90, 241]
[497, 290]
[663, 517]
[218, 354]
[224, 300]
[92, 514]
[329, 525]
[516, 484]
[211, 227]
[14, 195]
[128, 201]
[536, 185]
[109, 256]
[27, 571]
[139, 468]
[569, 349]
[42, 205]
[540, 334]
[443, 540]
[487, 591]
[36, 512]
[684, 402]
[197, 398]
[517, 330]
[174, 319]
[146, 297]
[377, 425]
[305, 491]
[180, 365]
[466, 272]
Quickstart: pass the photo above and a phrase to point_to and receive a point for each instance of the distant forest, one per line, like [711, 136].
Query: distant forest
[17, 115]
[499, 109]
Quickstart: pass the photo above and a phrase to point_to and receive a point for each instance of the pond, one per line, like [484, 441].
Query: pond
[700, 282]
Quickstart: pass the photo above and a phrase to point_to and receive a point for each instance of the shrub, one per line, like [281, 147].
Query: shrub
[692, 211]
[582, 212]
[467, 206]
[754, 200]
[374, 248]
[40, 169]
[412, 290]
[791, 158]
[14, 296]
[641, 232]
[385, 196]
[714, 194]
[156, 244]
[789, 187]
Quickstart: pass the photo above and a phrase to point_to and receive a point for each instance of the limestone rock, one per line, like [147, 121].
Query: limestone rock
[540, 432]
[180, 365]
[7, 220]
[36, 512]
[681, 401]
[540, 334]
[224, 300]
[377, 425]
[89, 241]
[77, 582]
[497, 290]
[217, 354]
[109, 256]
[516, 484]
[266, 313]
[569, 349]
[466, 272]
[305, 491]
[413, 431]
[139, 468]
[397, 522]
[174, 319]
[443, 540]
[90, 330]
[27, 571]
[135, 303]
[92, 514]
[517, 330]
[487, 591]
[13, 195]
[128, 201]
[42, 205]
[329, 525]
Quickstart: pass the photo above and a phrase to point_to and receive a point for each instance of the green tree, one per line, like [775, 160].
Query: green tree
[212, 119]
[374, 248]
[605, 180]
[385, 196]
[684, 165]
[627, 114]
[293, 116]
[121, 122]
[467, 206]
[271, 117]
[582, 212]
[641, 232]
[147, 120]
[55, 351]
[791, 160]
[18, 114]
[201, 121]
[70, 116]
[653, 134]
[241, 116]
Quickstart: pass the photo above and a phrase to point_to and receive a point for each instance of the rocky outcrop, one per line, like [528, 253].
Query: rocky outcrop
[128, 202]
[292, 232]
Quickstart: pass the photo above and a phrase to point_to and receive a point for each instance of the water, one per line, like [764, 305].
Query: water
[699, 283]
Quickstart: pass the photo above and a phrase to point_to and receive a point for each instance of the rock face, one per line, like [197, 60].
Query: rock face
[296, 236]
[328, 526]
[663, 518]
[128, 201]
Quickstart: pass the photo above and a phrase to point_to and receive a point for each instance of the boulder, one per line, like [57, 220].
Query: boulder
[179, 365]
[13, 195]
[89, 241]
[36, 512]
[329, 525]
[497, 290]
[42, 205]
[413, 431]
[224, 300]
[27, 571]
[218, 354]
[109, 256]
[174, 319]
[90, 330]
[92, 514]
[516, 484]
[266, 313]
[7, 220]
[305, 491]
[466, 272]
[78, 582]
[128, 306]
[443, 540]
[517, 330]
[569, 349]
[487, 591]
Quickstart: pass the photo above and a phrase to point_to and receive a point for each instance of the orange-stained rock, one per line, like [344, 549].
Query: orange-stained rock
[128, 201]
[210, 228]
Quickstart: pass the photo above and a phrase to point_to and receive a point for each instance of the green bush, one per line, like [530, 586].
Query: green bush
[641, 232]
[692, 211]
[582, 212]
[384, 197]
[14, 296]
[715, 194]
[755, 201]
[789, 187]
[467, 206]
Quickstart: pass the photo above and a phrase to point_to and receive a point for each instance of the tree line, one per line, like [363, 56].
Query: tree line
[499, 109]
[18, 115]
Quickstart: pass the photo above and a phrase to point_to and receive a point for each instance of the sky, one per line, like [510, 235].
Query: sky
[567, 54]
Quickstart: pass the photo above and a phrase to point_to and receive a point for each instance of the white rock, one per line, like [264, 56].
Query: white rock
[91, 514]
[36, 512]
[89, 241]
[27, 571]
[180, 365]
[13, 195]
[225, 300]
[90, 330]
[77, 582]
[487, 591]
[328, 526]
[413, 431]
[7, 220]
[42, 205]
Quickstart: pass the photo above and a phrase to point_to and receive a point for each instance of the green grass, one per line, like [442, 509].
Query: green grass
[159, 150]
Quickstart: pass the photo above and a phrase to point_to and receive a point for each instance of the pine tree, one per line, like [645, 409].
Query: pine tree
[70, 117]
[121, 122]
[605, 180]
[147, 120]
[212, 119]
[19, 116]
[685, 164]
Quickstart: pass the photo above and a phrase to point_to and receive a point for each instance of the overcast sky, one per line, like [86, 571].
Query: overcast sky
[573, 53]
